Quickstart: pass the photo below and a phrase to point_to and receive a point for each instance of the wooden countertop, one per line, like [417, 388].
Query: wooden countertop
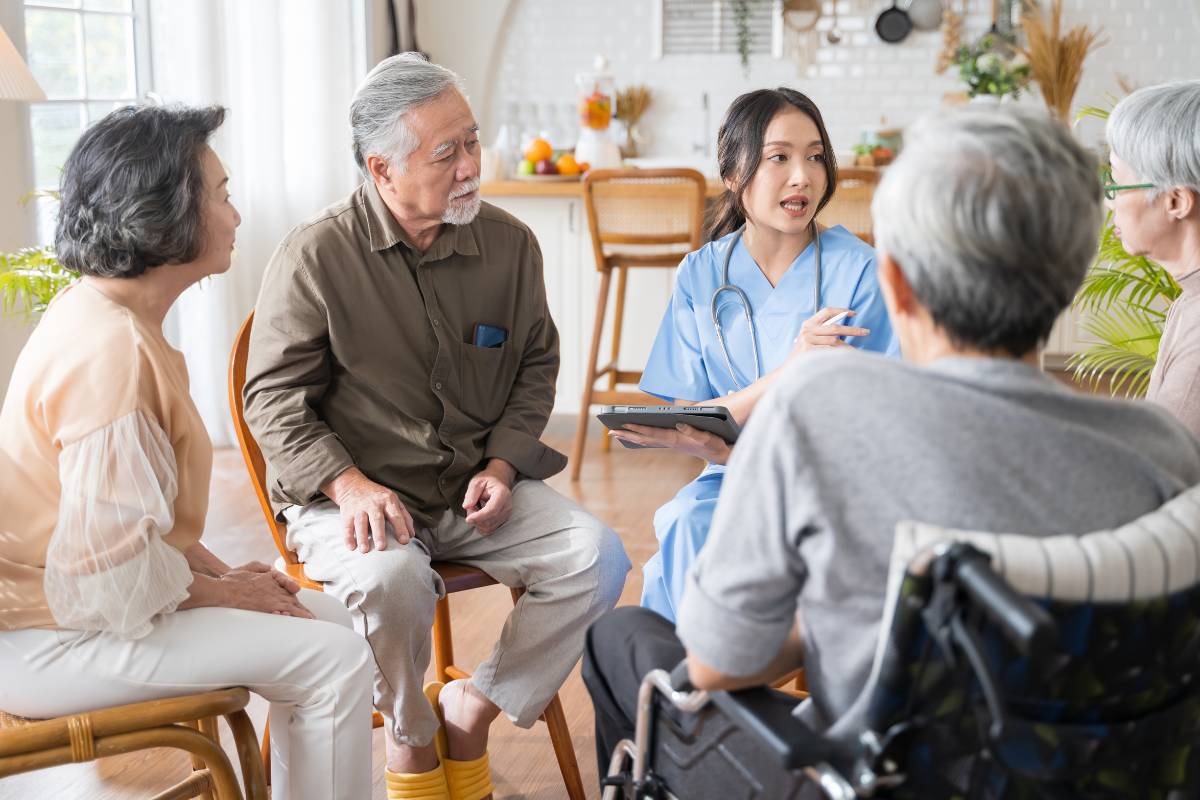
[515, 188]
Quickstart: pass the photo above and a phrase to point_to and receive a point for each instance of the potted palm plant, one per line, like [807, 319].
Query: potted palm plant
[32, 276]
[29, 280]
[1125, 300]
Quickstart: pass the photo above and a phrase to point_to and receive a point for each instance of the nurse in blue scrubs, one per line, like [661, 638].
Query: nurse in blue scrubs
[779, 171]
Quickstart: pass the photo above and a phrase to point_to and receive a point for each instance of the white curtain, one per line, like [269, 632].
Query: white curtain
[285, 70]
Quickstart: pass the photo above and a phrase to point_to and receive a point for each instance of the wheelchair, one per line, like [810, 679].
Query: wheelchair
[980, 692]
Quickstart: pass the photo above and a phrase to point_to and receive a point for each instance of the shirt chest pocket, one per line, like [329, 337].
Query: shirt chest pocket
[486, 375]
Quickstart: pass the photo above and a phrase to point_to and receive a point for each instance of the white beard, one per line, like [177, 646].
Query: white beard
[463, 212]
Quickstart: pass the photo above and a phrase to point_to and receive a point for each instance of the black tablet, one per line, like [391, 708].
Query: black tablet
[714, 419]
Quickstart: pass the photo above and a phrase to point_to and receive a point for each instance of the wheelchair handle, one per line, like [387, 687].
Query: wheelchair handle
[1030, 629]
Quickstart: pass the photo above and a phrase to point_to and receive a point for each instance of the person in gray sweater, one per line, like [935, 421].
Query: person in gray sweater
[1153, 188]
[985, 226]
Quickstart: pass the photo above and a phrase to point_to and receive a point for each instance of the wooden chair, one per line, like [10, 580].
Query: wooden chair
[639, 219]
[457, 578]
[851, 203]
[184, 723]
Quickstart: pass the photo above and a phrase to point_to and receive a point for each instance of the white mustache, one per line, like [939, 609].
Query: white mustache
[468, 187]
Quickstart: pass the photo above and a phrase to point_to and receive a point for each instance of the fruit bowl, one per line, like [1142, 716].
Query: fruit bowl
[547, 178]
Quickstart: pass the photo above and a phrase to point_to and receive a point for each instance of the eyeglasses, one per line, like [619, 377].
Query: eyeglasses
[1111, 189]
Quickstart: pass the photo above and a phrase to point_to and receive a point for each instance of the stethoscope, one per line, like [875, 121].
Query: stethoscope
[727, 286]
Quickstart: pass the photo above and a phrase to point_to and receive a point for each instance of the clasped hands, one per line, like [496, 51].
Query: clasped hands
[367, 508]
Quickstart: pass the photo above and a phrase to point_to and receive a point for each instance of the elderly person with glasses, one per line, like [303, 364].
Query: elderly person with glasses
[1153, 189]
[109, 597]
[985, 226]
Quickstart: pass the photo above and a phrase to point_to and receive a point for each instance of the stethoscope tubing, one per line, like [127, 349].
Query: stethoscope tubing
[747, 309]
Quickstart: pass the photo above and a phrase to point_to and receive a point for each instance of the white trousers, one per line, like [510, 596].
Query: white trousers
[315, 673]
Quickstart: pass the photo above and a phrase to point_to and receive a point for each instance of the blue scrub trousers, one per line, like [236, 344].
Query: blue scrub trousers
[681, 527]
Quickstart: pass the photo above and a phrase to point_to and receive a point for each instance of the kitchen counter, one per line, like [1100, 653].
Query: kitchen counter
[571, 189]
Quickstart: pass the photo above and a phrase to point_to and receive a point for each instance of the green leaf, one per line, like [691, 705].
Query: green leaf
[29, 280]
[1125, 298]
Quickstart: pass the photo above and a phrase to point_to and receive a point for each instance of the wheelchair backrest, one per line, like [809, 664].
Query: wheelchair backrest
[1112, 710]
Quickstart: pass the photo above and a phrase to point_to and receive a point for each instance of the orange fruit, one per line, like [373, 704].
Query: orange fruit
[567, 166]
[539, 150]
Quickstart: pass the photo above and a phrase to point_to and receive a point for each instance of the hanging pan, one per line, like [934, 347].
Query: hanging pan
[893, 25]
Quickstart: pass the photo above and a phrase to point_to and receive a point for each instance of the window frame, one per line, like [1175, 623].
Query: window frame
[719, 9]
[143, 78]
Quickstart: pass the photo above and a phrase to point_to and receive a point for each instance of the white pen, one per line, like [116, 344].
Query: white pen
[834, 320]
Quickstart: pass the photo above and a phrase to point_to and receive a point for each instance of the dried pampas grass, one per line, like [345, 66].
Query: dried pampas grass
[632, 103]
[1056, 58]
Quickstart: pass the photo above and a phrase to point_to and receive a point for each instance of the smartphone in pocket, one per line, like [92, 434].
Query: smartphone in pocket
[488, 335]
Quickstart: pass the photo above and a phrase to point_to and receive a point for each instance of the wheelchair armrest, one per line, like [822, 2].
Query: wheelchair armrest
[767, 715]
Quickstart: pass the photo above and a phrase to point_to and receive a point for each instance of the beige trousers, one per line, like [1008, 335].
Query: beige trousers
[571, 565]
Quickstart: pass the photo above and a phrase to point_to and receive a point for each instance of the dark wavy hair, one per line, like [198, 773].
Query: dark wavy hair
[739, 151]
[132, 191]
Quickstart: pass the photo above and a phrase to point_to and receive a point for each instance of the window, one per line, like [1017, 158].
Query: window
[709, 26]
[90, 56]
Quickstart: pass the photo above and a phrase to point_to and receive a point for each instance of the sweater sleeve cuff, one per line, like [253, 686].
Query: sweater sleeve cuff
[323, 460]
[526, 453]
[725, 639]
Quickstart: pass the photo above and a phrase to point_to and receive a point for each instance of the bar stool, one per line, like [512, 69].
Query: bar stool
[639, 219]
[851, 203]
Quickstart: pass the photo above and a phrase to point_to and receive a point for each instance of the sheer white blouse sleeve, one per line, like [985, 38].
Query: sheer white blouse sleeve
[107, 566]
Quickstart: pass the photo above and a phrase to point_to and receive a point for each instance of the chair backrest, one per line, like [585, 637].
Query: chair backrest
[1112, 710]
[644, 217]
[851, 203]
[256, 465]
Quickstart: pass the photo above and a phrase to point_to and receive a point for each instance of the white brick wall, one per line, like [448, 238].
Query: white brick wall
[856, 83]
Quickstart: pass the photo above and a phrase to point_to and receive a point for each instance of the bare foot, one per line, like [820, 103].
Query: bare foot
[403, 758]
[468, 715]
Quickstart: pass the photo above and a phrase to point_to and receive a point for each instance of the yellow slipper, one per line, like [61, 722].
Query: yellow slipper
[417, 786]
[424, 785]
[433, 690]
[467, 780]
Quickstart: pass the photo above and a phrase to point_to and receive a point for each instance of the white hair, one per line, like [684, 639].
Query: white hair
[993, 215]
[1156, 131]
[394, 87]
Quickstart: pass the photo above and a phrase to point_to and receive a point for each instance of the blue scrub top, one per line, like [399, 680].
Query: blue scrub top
[686, 361]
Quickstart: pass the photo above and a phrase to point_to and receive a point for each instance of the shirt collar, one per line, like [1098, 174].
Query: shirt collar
[986, 368]
[385, 232]
[1190, 282]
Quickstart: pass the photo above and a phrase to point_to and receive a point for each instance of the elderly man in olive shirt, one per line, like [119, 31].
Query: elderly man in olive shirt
[402, 367]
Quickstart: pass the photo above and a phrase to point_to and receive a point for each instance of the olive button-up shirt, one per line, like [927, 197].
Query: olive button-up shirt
[362, 353]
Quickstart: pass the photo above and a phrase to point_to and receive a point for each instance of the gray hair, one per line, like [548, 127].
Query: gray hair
[132, 191]
[394, 87]
[993, 216]
[1156, 131]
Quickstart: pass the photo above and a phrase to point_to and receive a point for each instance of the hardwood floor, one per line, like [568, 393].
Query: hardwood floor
[623, 488]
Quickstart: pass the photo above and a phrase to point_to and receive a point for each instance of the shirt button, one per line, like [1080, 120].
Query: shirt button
[435, 323]
[437, 386]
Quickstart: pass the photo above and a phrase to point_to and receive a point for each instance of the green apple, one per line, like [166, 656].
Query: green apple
[525, 167]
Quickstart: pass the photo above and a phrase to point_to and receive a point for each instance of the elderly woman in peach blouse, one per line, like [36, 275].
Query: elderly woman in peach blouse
[107, 595]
